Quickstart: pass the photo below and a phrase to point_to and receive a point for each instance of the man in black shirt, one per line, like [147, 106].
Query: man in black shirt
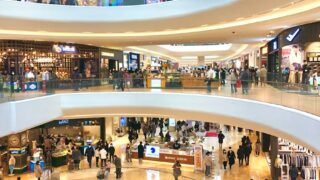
[89, 153]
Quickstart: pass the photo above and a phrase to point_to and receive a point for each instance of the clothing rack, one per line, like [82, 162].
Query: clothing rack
[310, 173]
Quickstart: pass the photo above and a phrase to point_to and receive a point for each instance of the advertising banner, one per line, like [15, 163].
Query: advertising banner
[198, 158]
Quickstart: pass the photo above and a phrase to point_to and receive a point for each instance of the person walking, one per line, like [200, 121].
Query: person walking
[233, 80]
[76, 157]
[293, 172]
[258, 147]
[263, 75]
[117, 163]
[38, 170]
[209, 77]
[247, 151]
[208, 164]
[111, 152]
[220, 138]
[129, 153]
[244, 77]
[97, 155]
[231, 157]
[89, 153]
[240, 155]
[140, 152]
[12, 164]
[224, 159]
[103, 157]
[176, 170]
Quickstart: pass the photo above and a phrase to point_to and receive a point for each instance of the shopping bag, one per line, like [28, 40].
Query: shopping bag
[238, 83]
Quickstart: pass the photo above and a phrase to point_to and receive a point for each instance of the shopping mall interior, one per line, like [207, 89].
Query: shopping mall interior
[160, 89]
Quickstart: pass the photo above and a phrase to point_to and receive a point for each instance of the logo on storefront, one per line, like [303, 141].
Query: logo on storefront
[61, 49]
[108, 54]
[291, 36]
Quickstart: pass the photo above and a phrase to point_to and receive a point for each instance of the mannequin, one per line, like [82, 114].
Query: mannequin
[277, 165]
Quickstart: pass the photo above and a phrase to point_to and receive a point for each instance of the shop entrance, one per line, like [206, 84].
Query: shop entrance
[113, 64]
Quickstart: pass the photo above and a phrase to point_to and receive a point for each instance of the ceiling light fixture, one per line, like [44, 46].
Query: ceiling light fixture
[197, 48]
[266, 17]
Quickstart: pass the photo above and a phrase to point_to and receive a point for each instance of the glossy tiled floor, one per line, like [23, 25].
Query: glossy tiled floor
[257, 170]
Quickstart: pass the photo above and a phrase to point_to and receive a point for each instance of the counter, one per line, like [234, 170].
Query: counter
[156, 83]
[197, 82]
[170, 156]
[59, 158]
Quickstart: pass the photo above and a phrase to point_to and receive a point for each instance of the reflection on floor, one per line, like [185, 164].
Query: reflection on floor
[306, 103]
[257, 170]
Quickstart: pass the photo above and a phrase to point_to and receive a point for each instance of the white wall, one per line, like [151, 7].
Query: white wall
[299, 127]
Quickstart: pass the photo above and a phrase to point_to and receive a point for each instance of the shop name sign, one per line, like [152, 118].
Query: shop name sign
[291, 36]
[61, 49]
[108, 54]
[44, 60]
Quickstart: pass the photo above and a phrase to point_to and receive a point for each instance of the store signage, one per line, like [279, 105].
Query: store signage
[61, 49]
[108, 54]
[63, 122]
[265, 50]
[153, 151]
[31, 86]
[172, 122]
[44, 60]
[291, 36]
[275, 45]
[198, 158]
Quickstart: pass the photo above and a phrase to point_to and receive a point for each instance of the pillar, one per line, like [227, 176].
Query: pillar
[274, 149]
[201, 60]
[108, 127]
[102, 129]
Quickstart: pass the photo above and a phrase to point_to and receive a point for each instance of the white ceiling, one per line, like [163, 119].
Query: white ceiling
[239, 22]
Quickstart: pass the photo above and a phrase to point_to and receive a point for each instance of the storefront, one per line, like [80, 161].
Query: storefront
[110, 60]
[21, 57]
[294, 56]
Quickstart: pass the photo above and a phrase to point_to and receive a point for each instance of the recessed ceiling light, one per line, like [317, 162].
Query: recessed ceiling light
[204, 25]
[276, 9]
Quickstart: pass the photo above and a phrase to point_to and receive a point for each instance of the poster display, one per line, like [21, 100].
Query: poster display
[134, 61]
[198, 158]
[153, 151]
[292, 57]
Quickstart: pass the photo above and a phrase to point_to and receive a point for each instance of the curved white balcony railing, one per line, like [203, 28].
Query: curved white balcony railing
[239, 110]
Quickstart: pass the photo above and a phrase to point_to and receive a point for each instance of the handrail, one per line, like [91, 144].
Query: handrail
[101, 3]
[298, 96]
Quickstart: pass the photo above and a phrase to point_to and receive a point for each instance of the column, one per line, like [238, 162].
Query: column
[108, 127]
[201, 60]
[102, 129]
[274, 149]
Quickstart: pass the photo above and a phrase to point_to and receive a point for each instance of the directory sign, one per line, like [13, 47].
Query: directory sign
[153, 151]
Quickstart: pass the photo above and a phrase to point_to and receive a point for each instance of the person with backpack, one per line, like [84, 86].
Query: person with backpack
[76, 157]
[240, 155]
[231, 157]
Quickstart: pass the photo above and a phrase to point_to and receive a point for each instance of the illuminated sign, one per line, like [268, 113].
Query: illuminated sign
[265, 50]
[275, 45]
[291, 36]
[153, 151]
[61, 49]
[63, 122]
[44, 60]
[107, 54]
